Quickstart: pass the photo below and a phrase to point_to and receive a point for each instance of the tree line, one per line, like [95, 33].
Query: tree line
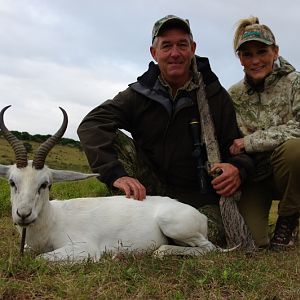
[39, 138]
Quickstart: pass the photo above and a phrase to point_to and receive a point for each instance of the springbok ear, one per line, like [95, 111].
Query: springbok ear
[61, 175]
[4, 170]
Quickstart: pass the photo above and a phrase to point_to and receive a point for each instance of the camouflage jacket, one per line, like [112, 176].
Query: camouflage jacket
[270, 116]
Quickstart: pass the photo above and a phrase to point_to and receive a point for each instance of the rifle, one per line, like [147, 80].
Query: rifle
[197, 153]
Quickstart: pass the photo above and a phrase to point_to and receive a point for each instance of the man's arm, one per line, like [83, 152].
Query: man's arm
[97, 133]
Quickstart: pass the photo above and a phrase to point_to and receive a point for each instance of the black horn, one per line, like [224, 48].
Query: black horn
[17, 145]
[44, 149]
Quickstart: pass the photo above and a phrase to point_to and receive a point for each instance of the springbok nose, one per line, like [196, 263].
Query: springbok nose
[24, 214]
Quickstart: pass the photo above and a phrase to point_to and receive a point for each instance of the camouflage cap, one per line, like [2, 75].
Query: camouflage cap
[171, 21]
[256, 32]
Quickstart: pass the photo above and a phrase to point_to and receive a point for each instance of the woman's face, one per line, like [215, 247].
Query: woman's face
[257, 59]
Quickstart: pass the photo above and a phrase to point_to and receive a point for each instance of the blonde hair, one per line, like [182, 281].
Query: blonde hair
[246, 24]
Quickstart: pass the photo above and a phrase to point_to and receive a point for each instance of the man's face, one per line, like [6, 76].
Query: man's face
[173, 52]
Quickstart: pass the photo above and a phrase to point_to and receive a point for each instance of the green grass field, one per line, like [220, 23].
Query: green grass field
[234, 275]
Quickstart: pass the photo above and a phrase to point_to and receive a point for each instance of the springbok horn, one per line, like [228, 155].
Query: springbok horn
[18, 146]
[44, 149]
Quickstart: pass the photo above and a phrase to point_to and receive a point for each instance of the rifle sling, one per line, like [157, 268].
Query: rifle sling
[237, 232]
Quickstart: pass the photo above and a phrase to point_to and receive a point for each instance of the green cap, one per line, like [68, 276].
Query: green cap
[170, 21]
[256, 32]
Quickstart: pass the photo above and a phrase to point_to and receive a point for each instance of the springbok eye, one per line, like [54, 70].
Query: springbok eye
[43, 186]
[12, 184]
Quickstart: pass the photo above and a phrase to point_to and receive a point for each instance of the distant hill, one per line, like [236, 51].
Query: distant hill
[39, 138]
[67, 154]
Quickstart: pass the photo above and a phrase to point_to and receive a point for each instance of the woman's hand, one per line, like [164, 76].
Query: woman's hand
[237, 147]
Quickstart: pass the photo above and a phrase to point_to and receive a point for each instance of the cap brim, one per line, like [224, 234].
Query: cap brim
[266, 42]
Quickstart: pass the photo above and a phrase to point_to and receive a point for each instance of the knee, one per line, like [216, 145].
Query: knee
[288, 154]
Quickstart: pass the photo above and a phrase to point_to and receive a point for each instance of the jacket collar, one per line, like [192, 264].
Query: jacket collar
[150, 77]
[150, 86]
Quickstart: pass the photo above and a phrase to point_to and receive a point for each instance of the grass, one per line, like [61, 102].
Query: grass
[266, 275]
[235, 275]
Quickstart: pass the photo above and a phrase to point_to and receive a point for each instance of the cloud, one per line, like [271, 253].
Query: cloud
[37, 88]
[76, 54]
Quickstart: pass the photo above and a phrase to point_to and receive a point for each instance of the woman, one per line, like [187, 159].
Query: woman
[267, 103]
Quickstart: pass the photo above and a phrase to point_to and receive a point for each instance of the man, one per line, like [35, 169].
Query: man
[158, 111]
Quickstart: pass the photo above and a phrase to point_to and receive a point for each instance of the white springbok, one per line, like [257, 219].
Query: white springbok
[82, 228]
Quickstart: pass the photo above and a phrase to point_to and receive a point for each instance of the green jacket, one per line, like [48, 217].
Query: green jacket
[160, 128]
[270, 114]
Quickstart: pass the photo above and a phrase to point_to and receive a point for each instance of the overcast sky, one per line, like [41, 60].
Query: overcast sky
[78, 53]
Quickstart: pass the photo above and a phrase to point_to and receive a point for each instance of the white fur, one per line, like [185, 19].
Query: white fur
[83, 228]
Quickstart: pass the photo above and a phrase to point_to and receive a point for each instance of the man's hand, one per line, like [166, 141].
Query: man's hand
[131, 187]
[228, 182]
[237, 147]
